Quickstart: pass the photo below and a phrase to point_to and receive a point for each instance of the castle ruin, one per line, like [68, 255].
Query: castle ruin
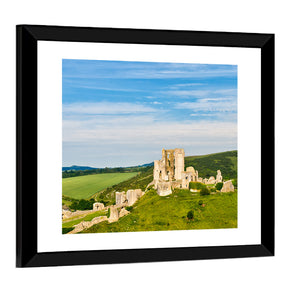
[169, 173]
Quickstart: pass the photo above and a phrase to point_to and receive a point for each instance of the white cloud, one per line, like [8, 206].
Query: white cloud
[180, 85]
[140, 131]
[209, 104]
[125, 140]
[201, 93]
[104, 108]
[187, 93]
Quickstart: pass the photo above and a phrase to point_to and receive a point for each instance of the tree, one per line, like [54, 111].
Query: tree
[190, 215]
[219, 186]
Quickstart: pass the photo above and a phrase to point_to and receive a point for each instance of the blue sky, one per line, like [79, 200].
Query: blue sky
[118, 113]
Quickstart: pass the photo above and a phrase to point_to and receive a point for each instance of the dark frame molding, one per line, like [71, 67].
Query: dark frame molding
[27, 102]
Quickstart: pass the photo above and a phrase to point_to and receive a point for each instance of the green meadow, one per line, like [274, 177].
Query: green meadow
[154, 213]
[83, 187]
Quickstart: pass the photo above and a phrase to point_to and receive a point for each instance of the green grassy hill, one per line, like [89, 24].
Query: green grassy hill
[207, 165]
[83, 187]
[154, 213]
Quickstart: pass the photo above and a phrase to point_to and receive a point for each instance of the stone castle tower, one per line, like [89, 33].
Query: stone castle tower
[170, 166]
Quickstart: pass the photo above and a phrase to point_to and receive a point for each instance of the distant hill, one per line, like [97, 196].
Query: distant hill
[75, 171]
[145, 165]
[77, 168]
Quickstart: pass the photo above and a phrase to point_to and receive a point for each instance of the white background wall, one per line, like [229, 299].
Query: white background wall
[253, 278]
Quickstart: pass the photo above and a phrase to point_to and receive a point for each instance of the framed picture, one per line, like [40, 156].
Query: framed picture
[138, 145]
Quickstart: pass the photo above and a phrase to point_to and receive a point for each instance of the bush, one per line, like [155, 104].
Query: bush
[219, 186]
[190, 215]
[200, 202]
[104, 202]
[196, 185]
[82, 204]
[204, 191]
[235, 183]
[108, 212]
[66, 230]
[129, 208]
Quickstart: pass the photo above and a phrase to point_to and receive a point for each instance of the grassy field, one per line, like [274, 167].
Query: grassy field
[153, 213]
[82, 187]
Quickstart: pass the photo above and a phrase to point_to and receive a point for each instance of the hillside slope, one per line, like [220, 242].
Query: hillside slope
[155, 213]
[207, 165]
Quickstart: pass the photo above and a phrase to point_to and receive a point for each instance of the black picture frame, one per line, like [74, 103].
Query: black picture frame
[27, 153]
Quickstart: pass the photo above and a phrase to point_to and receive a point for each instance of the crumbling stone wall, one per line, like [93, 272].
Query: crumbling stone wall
[227, 187]
[164, 188]
[98, 206]
[114, 215]
[120, 197]
[219, 177]
[129, 198]
[86, 224]
[70, 214]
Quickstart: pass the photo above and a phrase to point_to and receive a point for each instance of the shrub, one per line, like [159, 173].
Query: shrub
[104, 202]
[82, 204]
[129, 208]
[219, 186]
[196, 185]
[204, 191]
[66, 230]
[108, 212]
[190, 215]
[235, 183]
[200, 202]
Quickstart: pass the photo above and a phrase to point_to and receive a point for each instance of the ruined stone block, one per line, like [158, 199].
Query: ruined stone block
[123, 212]
[164, 188]
[114, 215]
[98, 206]
[211, 180]
[219, 177]
[227, 187]
[120, 197]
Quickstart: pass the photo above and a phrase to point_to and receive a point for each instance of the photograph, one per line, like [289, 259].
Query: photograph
[148, 146]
